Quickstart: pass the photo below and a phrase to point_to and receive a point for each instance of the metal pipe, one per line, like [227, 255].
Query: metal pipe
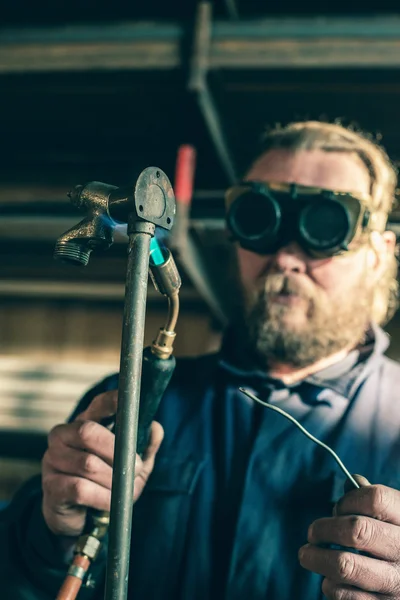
[127, 415]
[173, 312]
[232, 9]
[212, 120]
[198, 84]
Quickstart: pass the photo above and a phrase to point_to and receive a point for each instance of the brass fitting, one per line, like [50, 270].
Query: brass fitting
[163, 344]
[89, 546]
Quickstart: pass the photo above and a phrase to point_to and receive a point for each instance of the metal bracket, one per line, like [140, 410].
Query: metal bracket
[198, 84]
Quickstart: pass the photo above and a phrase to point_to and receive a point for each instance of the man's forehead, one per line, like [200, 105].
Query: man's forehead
[337, 171]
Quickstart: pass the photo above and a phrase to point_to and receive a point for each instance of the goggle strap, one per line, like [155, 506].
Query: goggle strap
[377, 221]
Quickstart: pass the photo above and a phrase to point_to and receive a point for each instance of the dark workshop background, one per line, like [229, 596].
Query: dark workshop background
[98, 91]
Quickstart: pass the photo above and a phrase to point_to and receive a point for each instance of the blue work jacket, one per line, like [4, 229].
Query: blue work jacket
[235, 486]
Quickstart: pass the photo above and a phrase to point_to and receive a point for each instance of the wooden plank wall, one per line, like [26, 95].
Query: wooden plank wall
[89, 331]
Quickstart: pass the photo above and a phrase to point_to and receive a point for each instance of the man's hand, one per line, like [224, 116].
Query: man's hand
[367, 519]
[77, 467]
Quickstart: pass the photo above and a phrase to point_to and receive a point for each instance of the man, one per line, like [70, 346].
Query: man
[239, 503]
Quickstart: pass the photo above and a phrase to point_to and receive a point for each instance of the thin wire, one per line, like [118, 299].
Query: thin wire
[303, 430]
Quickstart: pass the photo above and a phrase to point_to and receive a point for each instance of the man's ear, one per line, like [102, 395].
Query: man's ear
[383, 246]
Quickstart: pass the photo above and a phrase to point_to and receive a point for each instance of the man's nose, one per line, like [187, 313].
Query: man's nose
[289, 259]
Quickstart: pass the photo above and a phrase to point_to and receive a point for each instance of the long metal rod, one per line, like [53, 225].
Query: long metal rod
[305, 432]
[127, 418]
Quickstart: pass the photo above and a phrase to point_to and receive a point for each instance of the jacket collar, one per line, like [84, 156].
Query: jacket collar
[343, 377]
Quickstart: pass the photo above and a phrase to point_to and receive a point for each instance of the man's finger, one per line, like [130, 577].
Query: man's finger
[145, 467]
[368, 574]
[360, 479]
[355, 531]
[333, 591]
[65, 492]
[83, 435]
[156, 437]
[376, 501]
[81, 464]
[102, 406]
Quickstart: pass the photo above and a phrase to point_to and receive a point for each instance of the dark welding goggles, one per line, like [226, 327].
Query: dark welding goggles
[265, 217]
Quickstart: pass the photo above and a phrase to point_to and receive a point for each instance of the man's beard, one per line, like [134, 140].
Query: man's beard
[328, 325]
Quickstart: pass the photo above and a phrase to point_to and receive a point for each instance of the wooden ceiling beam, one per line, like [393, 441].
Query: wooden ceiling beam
[328, 42]
[86, 47]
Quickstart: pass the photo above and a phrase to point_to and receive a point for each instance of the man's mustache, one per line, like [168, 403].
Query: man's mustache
[279, 283]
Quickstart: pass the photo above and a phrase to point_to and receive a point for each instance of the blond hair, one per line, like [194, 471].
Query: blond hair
[333, 137]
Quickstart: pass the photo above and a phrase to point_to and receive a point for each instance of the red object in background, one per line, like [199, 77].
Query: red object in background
[184, 174]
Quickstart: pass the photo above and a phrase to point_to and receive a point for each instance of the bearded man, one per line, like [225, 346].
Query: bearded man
[239, 503]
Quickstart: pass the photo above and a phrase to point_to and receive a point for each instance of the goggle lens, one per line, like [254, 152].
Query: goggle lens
[324, 225]
[243, 211]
